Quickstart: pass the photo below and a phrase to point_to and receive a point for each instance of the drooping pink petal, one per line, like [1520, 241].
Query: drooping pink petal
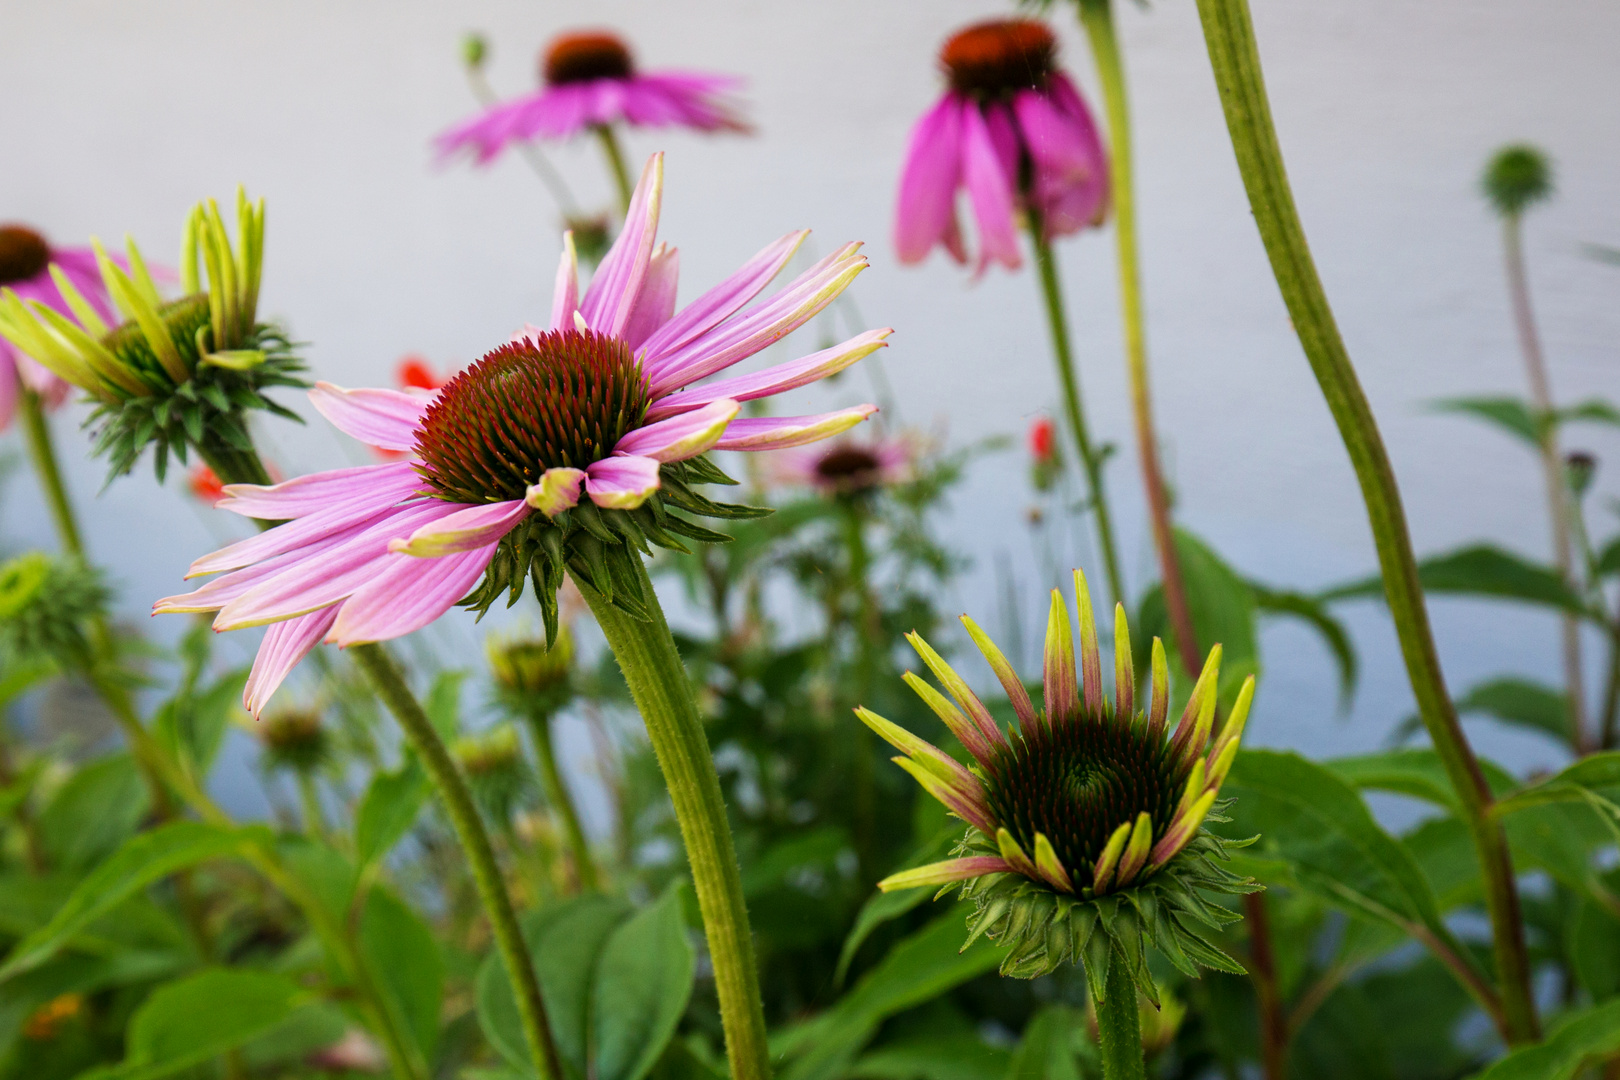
[683, 436]
[472, 527]
[558, 490]
[781, 432]
[611, 298]
[774, 380]
[284, 644]
[388, 419]
[407, 594]
[1070, 174]
[621, 483]
[725, 299]
[656, 304]
[227, 587]
[989, 194]
[358, 512]
[565, 298]
[304, 495]
[926, 212]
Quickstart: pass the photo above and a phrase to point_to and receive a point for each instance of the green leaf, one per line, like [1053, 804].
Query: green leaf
[98, 809]
[1478, 570]
[1587, 1034]
[1607, 565]
[194, 726]
[881, 907]
[1044, 1053]
[1511, 414]
[389, 809]
[443, 704]
[20, 676]
[1579, 783]
[957, 1055]
[404, 958]
[1594, 949]
[1592, 410]
[142, 860]
[1223, 609]
[1517, 702]
[643, 981]
[1316, 615]
[1419, 774]
[196, 1019]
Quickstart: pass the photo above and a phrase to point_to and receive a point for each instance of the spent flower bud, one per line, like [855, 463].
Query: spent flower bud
[474, 50]
[1579, 468]
[1517, 177]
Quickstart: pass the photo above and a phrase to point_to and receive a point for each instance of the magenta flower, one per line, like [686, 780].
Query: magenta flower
[26, 263]
[590, 81]
[849, 466]
[1013, 130]
[537, 456]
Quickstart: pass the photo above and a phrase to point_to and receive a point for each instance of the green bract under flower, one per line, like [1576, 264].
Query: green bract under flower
[175, 373]
[1085, 837]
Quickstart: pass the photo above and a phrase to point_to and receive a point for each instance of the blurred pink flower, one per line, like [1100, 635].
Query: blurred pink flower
[590, 80]
[25, 261]
[849, 466]
[1011, 129]
[591, 407]
[355, 1052]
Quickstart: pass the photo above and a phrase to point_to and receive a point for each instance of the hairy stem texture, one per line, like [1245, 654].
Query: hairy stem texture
[1119, 1027]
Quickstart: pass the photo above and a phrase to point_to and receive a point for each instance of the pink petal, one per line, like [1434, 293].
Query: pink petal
[360, 511]
[408, 594]
[726, 298]
[311, 494]
[780, 432]
[558, 490]
[1070, 184]
[565, 298]
[388, 419]
[680, 437]
[656, 304]
[617, 283]
[472, 527]
[284, 644]
[621, 483]
[774, 380]
[989, 194]
[927, 208]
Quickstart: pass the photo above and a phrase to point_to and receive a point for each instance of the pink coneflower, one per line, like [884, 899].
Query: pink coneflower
[1013, 130]
[589, 81]
[592, 407]
[849, 466]
[25, 270]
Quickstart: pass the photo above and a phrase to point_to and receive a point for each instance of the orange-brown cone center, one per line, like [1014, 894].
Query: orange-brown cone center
[993, 59]
[24, 254]
[583, 57]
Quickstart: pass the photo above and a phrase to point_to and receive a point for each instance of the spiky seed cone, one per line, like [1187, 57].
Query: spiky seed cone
[47, 607]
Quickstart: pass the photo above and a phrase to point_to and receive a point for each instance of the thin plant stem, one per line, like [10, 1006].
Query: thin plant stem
[1235, 58]
[561, 801]
[1560, 506]
[658, 683]
[458, 804]
[615, 160]
[542, 166]
[1097, 17]
[867, 633]
[309, 802]
[1609, 733]
[1062, 352]
[1263, 973]
[37, 429]
[1119, 1027]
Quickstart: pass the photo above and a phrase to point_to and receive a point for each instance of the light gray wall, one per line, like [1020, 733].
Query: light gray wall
[117, 116]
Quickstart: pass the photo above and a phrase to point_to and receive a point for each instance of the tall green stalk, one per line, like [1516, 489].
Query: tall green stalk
[458, 804]
[1235, 58]
[1097, 17]
[1090, 460]
[561, 801]
[1119, 1027]
[38, 433]
[658, 683]
[615, 160]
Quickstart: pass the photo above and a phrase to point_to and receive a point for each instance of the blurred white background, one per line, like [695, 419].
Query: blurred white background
[117, 116]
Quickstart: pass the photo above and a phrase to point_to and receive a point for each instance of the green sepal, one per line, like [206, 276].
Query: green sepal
[700, 470]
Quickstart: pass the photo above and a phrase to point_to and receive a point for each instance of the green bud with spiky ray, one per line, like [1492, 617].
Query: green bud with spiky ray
[47, 608]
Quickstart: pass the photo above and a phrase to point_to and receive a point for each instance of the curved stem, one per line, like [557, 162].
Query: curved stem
[38, 432]
[1097, 17]
[1052, 294]
[615, 160]
[561, 801]
[658, 683]
[458, 804]
[1119, 1027]
[1236, 61]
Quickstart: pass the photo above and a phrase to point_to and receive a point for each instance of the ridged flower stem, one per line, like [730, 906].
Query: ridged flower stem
[1090, 461]
[615, 160]
[1119, 1027]
[1560, 504]
[37, 430]
[458, 804]
[561, 801]
[1235, 58]
[658, 683]
[867, 631]
[1097, 18]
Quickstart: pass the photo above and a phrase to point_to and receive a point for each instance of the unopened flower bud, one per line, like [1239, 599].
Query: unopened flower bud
[1579, 468]
[529, 673]
[293, 739]
[474, 50]
[1517, 177]
[46, 607]
[497, 774]
[1046, 464]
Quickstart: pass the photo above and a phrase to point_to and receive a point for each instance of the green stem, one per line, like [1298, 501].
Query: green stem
[1611, 691]
[458, 804]
[867, 633]
[1052, 294]
[1268, 1000]
[1236, 61]
[561, 800]
[615, 160]
[658, 683]
[309, 801]
[1119, 1027]
[1097, 17]
[38, 432]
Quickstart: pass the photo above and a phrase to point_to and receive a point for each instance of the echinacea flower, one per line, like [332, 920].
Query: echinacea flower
[572, 447]
[1011, 129]
[849, 466]
[589, 80]
[175, 373]
[29, 267]
[1085, 835]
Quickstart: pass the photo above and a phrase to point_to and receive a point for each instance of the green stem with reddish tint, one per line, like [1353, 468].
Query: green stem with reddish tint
[37, 430]
[1235, 57]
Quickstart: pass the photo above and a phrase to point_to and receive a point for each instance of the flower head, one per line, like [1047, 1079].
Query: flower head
[1516, 178]
[47, 606]
[850, 466]
[589, 79]
[573, 447]
[1085, 833]
[28, 269]
[294, 739]
[499, 777]
[174, 372]
[530, 672]
[1011, 129]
